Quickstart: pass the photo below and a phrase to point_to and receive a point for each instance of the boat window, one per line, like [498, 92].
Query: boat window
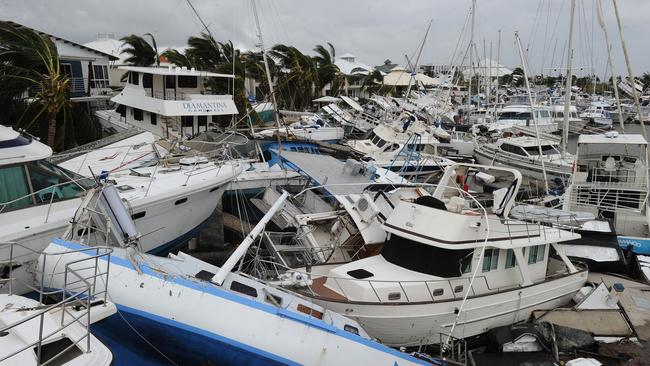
[351, 329]
[511, 260]
[147, 80]
[458, 289]
[546, 150]
[187, 82]
[309, 311]
[50, 352]
[180, 201]
[393, 296]
[170, 81]
[380, 142]
[536, 254]
[360, 274]
[153, 118]
[490, 260]
[134, 78]
[138, 215]
[513, 149]
[425, 258]
[53, 183]
[137, 114]
[438, 292]
[243, 289]
[13, 186]
[559, 114]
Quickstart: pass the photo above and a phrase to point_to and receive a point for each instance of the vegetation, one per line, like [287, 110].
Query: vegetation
[35, 88]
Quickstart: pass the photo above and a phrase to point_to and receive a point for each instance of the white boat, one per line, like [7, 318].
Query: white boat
[522, 115]
[39, 198]
[450, 267]
[522, 153]
[170, 102]
[196, 313]
[575, 122]
[309, 127]
[404, 146]
[599, 113]
[33, 332]
[610, 181]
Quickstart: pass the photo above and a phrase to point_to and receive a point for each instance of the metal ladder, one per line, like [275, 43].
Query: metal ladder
[412, 157]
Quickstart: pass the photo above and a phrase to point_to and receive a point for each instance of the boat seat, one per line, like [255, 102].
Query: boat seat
[456, 204]
[431, 201]
[610, 164]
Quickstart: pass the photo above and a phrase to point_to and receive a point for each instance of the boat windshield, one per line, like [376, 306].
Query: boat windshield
[38, 182]
[546, 150]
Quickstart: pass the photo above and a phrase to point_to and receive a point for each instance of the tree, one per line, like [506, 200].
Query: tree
[141, 52]
[518, 76]
[328, 72]
[645, 80]
[372, 82]
[29, 62]
[297, 77]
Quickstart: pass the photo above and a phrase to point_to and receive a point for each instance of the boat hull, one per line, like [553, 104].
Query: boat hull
[528, 168]
[404, 324]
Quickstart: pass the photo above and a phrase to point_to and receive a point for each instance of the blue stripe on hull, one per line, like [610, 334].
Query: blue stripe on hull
[639, 245]
[184, 344]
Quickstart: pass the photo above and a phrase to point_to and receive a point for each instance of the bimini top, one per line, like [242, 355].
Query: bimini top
[613, 138]
[181, 71]
[16, 148]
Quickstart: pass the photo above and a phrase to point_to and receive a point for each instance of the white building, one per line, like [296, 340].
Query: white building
[106, 43]
[354, 72]
[87, 68]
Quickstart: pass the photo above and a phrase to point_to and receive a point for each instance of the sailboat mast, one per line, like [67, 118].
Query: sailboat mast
[498, 70]
[268, 72]
[601, 22]
[532, 108]
[629, 71]
[417, 60]
[569, 79]
[471, 62]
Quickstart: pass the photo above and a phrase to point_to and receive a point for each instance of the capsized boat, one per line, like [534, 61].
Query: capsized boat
[195, 313]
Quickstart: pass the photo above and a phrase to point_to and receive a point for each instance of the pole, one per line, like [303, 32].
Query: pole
[241, 250]
[268, 74]
[569, 79]
[417, 60]
[471, 63]
[610, 63]
[629, 70]
[530, 98]
[498, 69]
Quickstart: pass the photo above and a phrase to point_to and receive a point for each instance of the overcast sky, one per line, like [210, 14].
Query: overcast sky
[373, 30]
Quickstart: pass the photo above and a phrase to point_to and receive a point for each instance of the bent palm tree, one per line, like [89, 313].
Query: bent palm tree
[141, 52]
[30, 62]
[328, 72]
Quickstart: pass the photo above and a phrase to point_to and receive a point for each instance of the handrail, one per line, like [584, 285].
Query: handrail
[86, 293]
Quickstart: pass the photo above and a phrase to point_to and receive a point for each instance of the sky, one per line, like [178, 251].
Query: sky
[373, 30]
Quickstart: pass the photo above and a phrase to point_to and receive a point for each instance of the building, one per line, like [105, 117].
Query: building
[106, 43]
[386, 67]
[354, 72]
[87, 68]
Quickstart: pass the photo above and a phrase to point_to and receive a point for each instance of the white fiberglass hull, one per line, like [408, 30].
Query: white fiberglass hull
[528, 167]
[203, 323]
[406, 324]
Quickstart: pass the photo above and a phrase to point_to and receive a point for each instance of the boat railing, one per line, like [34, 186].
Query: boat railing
[326, 287]
[84, 285]
[35, 196]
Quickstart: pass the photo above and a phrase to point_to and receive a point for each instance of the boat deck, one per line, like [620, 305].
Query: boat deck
[319, 288]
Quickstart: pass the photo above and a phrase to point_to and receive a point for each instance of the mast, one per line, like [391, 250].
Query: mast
[417, 60]
[629, 71]
[532, 109]
[569, 79]
[268, 73]
[601, 21]
[498, 69]
[471, 62]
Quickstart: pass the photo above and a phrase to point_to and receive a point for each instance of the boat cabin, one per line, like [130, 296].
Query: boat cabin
[527, 146]
[171, 102]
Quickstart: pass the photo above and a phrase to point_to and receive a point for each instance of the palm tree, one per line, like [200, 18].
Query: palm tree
[645, 79]
[372, 82]
[298, 77]
[328, 72]
[141, 52]
[30, 62]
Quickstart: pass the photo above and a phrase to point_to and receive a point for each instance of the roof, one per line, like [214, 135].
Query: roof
[326, 99]
[347, 55]
[488, 67]
[401, 77]
[109, 46]
[55, 38]
[526, 141]
[619, 139]
[352, 68]
[181, 71]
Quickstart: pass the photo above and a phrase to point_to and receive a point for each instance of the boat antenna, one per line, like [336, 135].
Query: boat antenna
[532, 108]
[567, 89]
[601, 22]
[268, 74]
[635, 95]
